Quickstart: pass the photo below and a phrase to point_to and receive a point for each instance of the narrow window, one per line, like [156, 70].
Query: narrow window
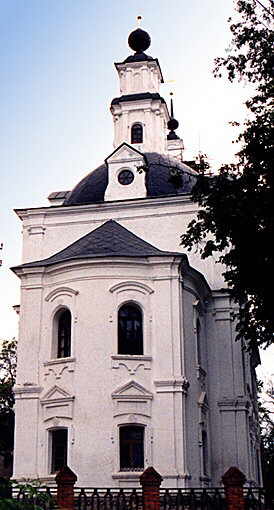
[131, 448]
[198, 333]
[59, 447]
[205, 452]
[130, 330]
[64, 334]
[137, 133]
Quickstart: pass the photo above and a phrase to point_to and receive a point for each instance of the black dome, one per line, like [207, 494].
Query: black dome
[91, 189]
[173, 124]
[139, 40]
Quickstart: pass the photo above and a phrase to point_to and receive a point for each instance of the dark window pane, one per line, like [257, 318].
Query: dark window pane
[198, 333]
[131, 448]
[64, 334]
[59, 441]
[137, 133]
[130, 330]
[205, 451]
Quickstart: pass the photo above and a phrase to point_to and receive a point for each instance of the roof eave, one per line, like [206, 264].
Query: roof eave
[39, 266]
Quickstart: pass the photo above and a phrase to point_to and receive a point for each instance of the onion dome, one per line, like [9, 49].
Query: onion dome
[139, 40]
[172, 123]
[91, 189]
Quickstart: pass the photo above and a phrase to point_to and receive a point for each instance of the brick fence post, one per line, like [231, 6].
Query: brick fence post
[65, 480]
[233, 481]
[150, 481]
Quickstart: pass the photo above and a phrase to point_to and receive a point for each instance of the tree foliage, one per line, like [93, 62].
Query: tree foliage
[236, 204]
[8, 361]
[265, 405]
[33, 495]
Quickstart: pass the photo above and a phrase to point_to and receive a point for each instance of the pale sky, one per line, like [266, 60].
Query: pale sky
[57, 79]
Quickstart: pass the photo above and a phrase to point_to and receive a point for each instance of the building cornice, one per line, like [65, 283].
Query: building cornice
[106, 206]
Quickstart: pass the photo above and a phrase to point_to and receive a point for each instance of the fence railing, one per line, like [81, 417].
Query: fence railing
[256, 499]
[43, 497]
[89, 498]
[108, 499]
[149, 496]
[195, 498]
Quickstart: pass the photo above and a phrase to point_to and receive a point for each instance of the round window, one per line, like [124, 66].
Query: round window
[125, 177]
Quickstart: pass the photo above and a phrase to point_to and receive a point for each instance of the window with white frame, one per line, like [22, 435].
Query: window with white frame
[198, 340]
[62, 334]
[130, 329]
[137, 133]
[58, 442]
[205, 452]
[131, 443]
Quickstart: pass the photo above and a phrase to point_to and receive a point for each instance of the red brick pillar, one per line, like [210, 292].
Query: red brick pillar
[65, 480]
[233, 481]
[151, 481]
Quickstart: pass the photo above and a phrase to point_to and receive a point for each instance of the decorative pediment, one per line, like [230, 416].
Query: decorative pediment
[131, 285]
[132, 399]
[57, 403]
[56, 393]
[61, 291]
[132, 391]
[124, 153]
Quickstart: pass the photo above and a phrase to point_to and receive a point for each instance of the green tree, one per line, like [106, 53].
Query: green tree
[236, 209]
[265, 403]
[8, 361]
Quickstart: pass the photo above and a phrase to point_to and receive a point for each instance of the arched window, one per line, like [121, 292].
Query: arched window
[62, 335]
[130, 329]
[131, 447]
[137, 133]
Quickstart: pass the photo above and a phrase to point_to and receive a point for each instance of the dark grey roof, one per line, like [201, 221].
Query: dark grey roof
[138, 57]
[58, 195]
[91, 189]
[108, 240]
[137, 97]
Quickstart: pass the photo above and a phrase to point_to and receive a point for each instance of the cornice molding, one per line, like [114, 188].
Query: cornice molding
[115, 205]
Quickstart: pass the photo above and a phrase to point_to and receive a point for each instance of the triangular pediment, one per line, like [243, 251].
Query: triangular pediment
[56, 393]
[132, 390]
[124, 153]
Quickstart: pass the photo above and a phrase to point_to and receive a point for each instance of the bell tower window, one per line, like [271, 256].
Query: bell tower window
[137, 133]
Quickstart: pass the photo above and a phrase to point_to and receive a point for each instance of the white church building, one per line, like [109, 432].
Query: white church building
[127, 355]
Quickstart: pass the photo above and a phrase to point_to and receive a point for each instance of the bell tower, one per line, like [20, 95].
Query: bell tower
[140, 114]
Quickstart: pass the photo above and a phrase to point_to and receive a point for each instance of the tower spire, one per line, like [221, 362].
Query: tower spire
[172, 123]
[140, 78]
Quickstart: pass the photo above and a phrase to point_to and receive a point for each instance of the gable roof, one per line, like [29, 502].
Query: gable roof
[125, 144]
[108, 240]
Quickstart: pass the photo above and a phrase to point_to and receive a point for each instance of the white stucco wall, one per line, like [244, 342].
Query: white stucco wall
[159, 221]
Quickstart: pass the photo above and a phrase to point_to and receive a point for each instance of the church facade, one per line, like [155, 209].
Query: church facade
[127, 355]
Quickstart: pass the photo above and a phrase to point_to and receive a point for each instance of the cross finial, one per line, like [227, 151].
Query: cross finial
[171, 105]
[139, 19]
